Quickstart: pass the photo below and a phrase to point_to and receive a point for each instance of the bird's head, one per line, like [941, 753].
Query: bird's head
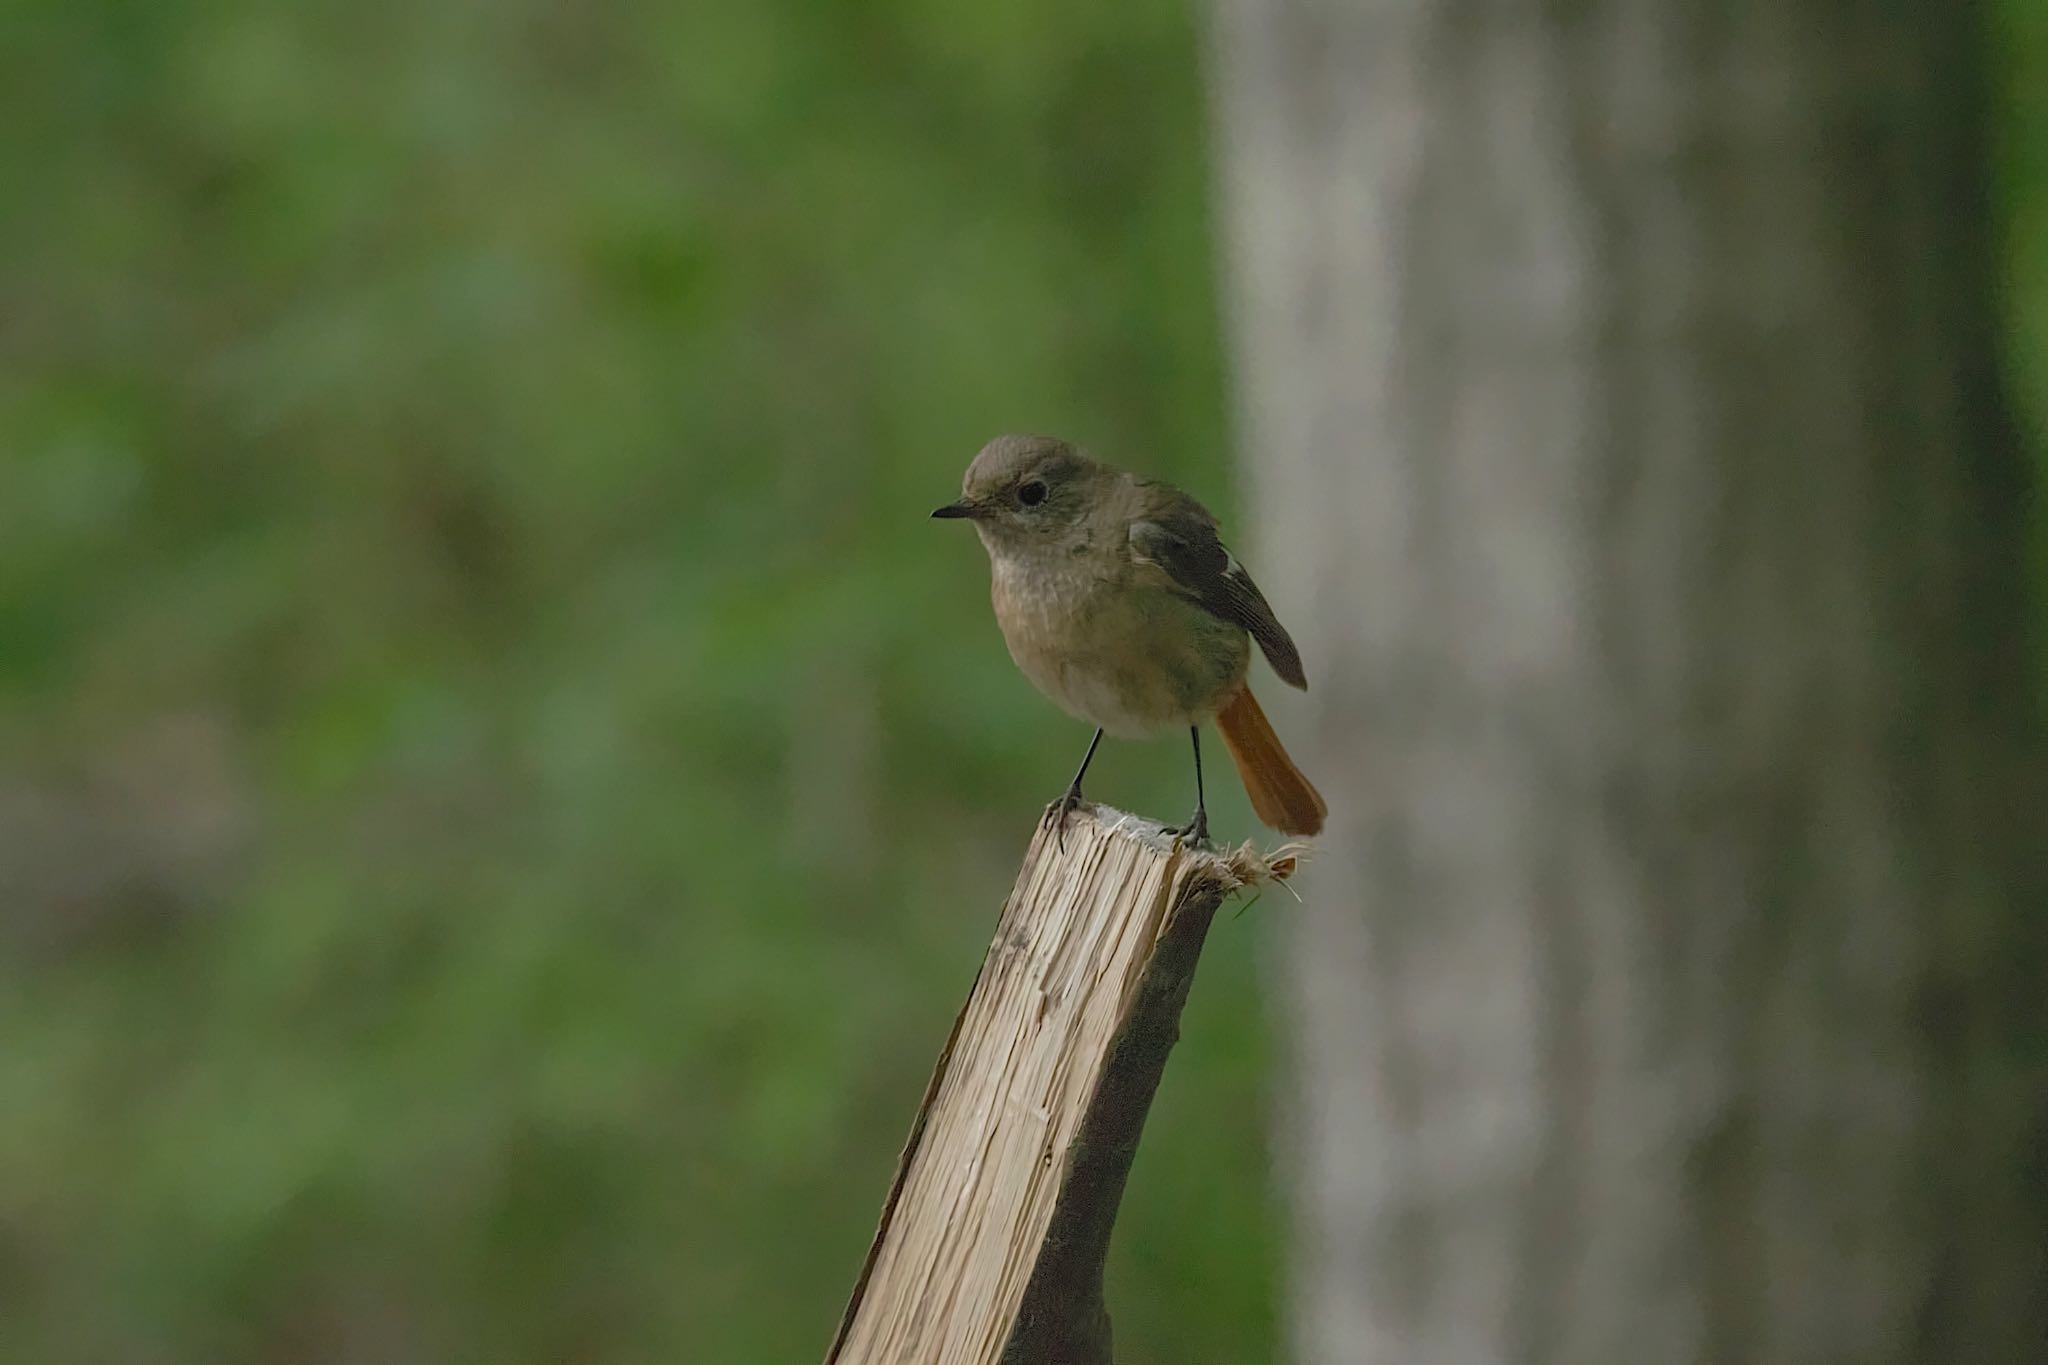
[1026, 492]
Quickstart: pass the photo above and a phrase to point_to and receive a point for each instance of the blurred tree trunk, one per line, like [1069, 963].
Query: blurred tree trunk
[1625, 440]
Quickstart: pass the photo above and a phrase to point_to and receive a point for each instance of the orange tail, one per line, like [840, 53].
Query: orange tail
[1283, 798]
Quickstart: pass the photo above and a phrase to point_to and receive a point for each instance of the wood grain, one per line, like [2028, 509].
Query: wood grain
[992, 1240]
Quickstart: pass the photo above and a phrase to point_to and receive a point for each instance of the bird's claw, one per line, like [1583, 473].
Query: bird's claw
[1058, 812]
[1195, 832]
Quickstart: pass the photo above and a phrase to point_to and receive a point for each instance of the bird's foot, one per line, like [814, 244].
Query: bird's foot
[1195, 832]
[1058, 812]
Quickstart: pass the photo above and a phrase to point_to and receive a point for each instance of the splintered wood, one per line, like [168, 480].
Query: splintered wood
[983, 1171]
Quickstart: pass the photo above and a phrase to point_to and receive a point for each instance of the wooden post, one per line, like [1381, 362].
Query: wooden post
[992, 1242]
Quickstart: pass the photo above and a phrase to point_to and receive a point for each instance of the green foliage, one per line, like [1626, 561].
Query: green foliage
[506, 788]
[2022, 44]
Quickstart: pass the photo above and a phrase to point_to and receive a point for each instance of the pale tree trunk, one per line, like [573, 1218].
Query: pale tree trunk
[1625, 446]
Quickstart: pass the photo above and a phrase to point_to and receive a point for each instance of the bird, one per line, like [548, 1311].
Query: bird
[1119, 602]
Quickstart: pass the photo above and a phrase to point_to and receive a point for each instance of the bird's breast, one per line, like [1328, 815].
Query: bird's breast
[1117, 651]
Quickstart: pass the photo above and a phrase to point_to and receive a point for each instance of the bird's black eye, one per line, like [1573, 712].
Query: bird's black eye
[1031, 492]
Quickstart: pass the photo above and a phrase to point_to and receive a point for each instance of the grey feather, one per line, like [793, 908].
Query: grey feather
[1179, 536]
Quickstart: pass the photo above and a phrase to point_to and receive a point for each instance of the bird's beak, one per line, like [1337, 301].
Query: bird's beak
[953, 511]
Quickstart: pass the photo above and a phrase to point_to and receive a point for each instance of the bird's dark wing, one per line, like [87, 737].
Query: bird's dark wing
[1177, 535]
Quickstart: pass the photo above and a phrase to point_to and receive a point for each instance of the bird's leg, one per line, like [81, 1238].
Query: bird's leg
[1059, 809]
[1196, 831]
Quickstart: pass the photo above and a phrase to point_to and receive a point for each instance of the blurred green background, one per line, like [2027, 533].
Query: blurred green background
[501, 787]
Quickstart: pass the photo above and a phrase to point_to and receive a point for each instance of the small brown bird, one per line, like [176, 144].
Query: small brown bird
[1120, 603]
